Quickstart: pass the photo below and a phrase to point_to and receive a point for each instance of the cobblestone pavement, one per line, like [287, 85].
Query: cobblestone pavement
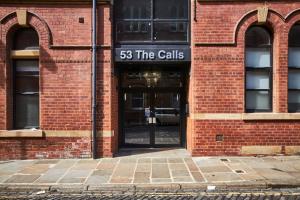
[155, 196]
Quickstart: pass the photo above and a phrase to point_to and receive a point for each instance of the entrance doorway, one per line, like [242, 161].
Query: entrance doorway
[152, 108]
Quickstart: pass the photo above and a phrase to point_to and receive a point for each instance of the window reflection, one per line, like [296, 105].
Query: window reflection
[294, 69]
[258, 61]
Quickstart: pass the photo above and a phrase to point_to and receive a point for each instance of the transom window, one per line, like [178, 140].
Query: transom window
[152, 21]
[294, 69]
[258, 70]
[25, 79]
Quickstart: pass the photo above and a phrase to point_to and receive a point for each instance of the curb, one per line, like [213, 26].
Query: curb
[164, 188]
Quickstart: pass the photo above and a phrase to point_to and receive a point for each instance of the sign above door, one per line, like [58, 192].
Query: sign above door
[155, 53]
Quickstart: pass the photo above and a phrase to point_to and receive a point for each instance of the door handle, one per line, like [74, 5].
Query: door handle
[151, 120]
[154, 120]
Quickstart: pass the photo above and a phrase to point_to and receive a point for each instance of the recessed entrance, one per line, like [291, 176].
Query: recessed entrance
[152, 108]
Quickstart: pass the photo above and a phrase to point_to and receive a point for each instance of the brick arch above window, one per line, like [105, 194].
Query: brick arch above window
[9, 24]
[274, 23]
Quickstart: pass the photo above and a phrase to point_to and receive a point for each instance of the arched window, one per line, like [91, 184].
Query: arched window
[258, 70]
[25, 63]
[294, 69]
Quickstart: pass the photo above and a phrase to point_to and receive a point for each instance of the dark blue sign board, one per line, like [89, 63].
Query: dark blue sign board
[153, 54]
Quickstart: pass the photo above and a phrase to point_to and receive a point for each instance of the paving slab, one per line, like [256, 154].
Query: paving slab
[215, 169]
[272, 174]
[4, 178]
[251, 176]
[124, 170]
[121, 180]
[51, 176]
[22, 179]
[128, 160]
[110, 160]
[161, 180]
[75, 176]
[180, 173]
[192, 166]
[37, 169]
[141, 177]
[222, 177]
[159, 160]
[47, 162]
[64, 164]
[144, 160]
[175, 160]
[177, 166]
[9, 168]
[143, 168]
[160, 171]
[198, 177]
[186, 179]
[106, 166]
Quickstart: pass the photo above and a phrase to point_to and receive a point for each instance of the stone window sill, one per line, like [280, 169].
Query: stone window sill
[21, 133]
[271, 116]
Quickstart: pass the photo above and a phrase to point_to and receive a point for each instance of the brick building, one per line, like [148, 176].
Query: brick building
[216, 77]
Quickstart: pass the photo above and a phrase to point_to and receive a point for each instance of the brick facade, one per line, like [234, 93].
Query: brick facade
[216, 83]
[218, 72]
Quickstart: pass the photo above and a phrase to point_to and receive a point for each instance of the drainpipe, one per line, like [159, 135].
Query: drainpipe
[94, 65]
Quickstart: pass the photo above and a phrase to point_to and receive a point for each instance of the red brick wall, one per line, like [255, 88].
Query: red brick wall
[48, 148]
[65, 80]
[216, 84]
[218, 76]
[238, 133]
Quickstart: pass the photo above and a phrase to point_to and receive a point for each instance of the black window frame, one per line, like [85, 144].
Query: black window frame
[152, 20]
[268, 70]
[33, 74]
[292, 68]
[30, 73]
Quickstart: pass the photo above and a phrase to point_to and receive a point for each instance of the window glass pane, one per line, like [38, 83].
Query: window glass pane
[133, 31]
[170, 31]
[258, 57]
[27, 84]
[294, 39]
[294, 79]
[133, 9]
[257, 80]
[257, 100]
[257, 36]
[171, 9]
[26, 39]
[294, 101]
[27, 66]
[137, 100]
[27, 111]
[294, 56]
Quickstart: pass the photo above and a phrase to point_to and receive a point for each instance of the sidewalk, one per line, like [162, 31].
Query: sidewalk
[164, 169]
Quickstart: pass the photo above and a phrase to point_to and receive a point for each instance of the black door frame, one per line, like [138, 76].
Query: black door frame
[151, 91]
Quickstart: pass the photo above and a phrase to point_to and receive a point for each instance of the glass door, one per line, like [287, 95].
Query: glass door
[152, 108]
[136, 118]
[167, 118]
[151, 119]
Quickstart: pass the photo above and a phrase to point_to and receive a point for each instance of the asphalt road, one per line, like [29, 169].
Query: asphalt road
[273, 195]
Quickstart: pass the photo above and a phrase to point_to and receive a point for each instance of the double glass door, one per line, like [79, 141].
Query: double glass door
[151, 118]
